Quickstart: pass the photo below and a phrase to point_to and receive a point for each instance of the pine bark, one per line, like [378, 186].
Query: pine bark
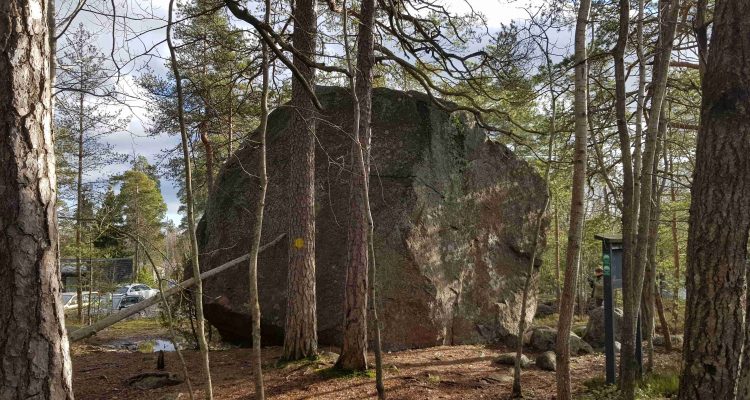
[575, 230]
[34, 356]
[354, 346]
[720, 215]
[300, 334]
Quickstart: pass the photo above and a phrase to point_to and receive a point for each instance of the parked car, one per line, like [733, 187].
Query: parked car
[70, 300]
[137, 290]
[128, 301]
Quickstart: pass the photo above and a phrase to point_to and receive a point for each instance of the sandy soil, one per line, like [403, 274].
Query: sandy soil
[457, 372]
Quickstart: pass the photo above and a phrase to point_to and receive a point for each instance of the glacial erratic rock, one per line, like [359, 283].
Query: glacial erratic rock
[454, 221]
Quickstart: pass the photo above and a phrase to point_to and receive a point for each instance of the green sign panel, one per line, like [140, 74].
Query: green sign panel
[605, 262]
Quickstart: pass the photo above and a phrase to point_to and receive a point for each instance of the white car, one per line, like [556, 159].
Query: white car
[133, 290]
[70, 300]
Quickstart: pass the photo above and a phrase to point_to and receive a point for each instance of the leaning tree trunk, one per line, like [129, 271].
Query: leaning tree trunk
[720, 216]
[300, 334]
[34, 357]
[575, 229]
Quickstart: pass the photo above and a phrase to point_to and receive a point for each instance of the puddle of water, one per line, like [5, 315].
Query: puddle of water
[145, 346]
[154, 345]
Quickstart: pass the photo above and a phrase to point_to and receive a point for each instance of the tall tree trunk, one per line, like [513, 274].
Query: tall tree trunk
[198, 292]
[79, 204]
[354, 347]
[719, 215]
[34, 357]
[575, 230]
[558, 291]
[648, 296]
[300, 334]
[630, 185]
[257, 361]
[633, 280]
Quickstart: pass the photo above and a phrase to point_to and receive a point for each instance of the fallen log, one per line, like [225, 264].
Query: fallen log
[92, 329]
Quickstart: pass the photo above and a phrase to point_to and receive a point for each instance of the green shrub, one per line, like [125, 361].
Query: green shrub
[660, 385]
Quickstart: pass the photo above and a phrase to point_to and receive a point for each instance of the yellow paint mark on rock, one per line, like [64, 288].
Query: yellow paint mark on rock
[299, 243]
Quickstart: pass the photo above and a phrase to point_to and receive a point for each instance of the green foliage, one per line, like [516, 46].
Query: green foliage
[146, 276]
[215, 59]
[598, 389]
[142, 205]
[660, 385]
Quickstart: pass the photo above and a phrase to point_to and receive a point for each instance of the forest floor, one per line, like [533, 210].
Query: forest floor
[446, 372]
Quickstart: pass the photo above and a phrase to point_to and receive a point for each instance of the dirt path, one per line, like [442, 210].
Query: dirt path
[457, 372]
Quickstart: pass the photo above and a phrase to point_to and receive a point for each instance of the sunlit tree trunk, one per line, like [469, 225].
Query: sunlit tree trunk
[300, 334]
[34, 354]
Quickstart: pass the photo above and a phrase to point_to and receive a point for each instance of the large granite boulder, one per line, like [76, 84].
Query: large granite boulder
[454, 217]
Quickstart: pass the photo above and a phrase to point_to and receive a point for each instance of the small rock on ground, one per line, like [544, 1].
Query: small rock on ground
[510, 359]
[547, 361]
[154, 380]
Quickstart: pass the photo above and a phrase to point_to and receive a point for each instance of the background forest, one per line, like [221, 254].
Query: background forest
[152, 100]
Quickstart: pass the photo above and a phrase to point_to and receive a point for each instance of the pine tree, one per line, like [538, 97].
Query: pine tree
[144, 210]
[80, 112]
